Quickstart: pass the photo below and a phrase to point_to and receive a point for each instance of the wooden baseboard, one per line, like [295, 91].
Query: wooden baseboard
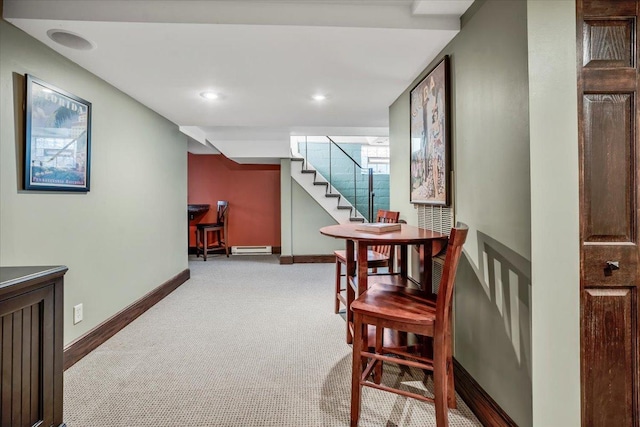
[310, 259]
[82, 346]
[274, 250]
[481, 404]
[307, 259]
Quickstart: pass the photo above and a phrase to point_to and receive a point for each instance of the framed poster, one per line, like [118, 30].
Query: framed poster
[430, 166]
[57, 140]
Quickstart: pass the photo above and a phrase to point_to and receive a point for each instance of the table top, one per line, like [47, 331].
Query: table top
[406, 235]
[10, 276]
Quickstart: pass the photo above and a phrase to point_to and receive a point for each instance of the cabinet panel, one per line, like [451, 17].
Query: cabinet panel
[31, 301]
[25, 371]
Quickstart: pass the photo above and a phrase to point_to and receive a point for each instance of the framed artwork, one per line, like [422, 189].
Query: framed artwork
[57, 140]
[430, 166]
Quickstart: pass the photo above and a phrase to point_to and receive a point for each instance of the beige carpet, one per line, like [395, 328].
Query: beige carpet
[244, 342]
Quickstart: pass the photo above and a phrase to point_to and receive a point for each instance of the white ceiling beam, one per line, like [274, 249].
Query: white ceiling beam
[440, 7]
[362, 14]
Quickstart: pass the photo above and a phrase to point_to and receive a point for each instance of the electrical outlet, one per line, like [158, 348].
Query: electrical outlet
[77, 313]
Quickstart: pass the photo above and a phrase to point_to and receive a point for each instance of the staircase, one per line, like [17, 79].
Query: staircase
[323, 192]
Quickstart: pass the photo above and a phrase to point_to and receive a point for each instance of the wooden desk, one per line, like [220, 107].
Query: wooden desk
[429, 243]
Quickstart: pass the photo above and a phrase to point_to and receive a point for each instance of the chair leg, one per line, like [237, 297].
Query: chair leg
[451, 396]
[356, 371]
[440, 381]
[377, 370]
[197, 240]
[351, 296]
[205, 244]
[337, 291]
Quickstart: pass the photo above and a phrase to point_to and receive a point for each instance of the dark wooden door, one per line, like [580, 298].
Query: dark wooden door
[609, 211]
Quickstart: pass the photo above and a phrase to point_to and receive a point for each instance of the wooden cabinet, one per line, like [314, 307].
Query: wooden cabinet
[31, 304]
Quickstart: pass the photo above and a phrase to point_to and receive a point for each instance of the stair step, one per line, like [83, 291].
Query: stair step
[318, 180]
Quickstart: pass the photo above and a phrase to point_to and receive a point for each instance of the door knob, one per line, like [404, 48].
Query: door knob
[613, 265]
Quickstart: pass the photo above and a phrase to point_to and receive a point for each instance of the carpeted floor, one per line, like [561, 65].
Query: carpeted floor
[244, 342]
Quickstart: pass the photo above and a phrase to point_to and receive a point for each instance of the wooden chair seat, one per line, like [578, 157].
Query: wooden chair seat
[395, 303]
[373, 258]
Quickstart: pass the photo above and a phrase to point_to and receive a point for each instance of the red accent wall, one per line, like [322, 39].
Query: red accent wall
[253, 192]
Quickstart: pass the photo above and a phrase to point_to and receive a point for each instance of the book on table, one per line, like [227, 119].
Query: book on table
[379, 227]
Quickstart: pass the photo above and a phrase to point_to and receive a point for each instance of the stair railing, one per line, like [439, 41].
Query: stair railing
[350, 194]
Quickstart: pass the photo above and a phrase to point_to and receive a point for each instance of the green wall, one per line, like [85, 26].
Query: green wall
[309, 218]
[301, 219]
[554, 212]
[514, 132]
[490, 154]
[128, 234]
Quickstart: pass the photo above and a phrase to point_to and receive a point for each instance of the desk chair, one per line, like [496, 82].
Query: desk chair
[377, 257]
[219, 228]
[414, 311]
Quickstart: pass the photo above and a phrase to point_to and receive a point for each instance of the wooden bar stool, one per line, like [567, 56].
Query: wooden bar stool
[414, 311]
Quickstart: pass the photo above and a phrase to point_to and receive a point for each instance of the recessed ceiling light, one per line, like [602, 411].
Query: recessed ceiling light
[209, 95]
[319, 97]
[70, 40]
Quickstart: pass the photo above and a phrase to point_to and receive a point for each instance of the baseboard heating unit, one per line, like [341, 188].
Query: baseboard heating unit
[251, 250]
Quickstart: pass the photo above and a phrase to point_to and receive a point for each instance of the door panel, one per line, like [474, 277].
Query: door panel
[608, 332]
[609, 211]
[609, 8]
[608, 164]
[595, 272]
[608, 43]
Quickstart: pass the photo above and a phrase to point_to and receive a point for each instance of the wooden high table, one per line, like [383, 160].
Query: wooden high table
[429, 243]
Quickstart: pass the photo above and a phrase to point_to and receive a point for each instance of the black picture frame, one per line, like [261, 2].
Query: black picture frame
[430, 137]
[57, 155]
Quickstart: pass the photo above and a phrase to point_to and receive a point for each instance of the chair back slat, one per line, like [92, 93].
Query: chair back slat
[222, 209]
[388, 217]
[445, 292]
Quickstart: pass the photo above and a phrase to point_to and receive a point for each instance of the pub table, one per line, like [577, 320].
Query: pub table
[429, 243]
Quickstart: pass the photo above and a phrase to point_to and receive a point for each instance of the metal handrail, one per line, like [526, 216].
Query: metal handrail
[370, 193]
[345, 153]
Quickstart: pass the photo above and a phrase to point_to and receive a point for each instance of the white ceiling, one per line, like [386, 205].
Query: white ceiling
[265, 58]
